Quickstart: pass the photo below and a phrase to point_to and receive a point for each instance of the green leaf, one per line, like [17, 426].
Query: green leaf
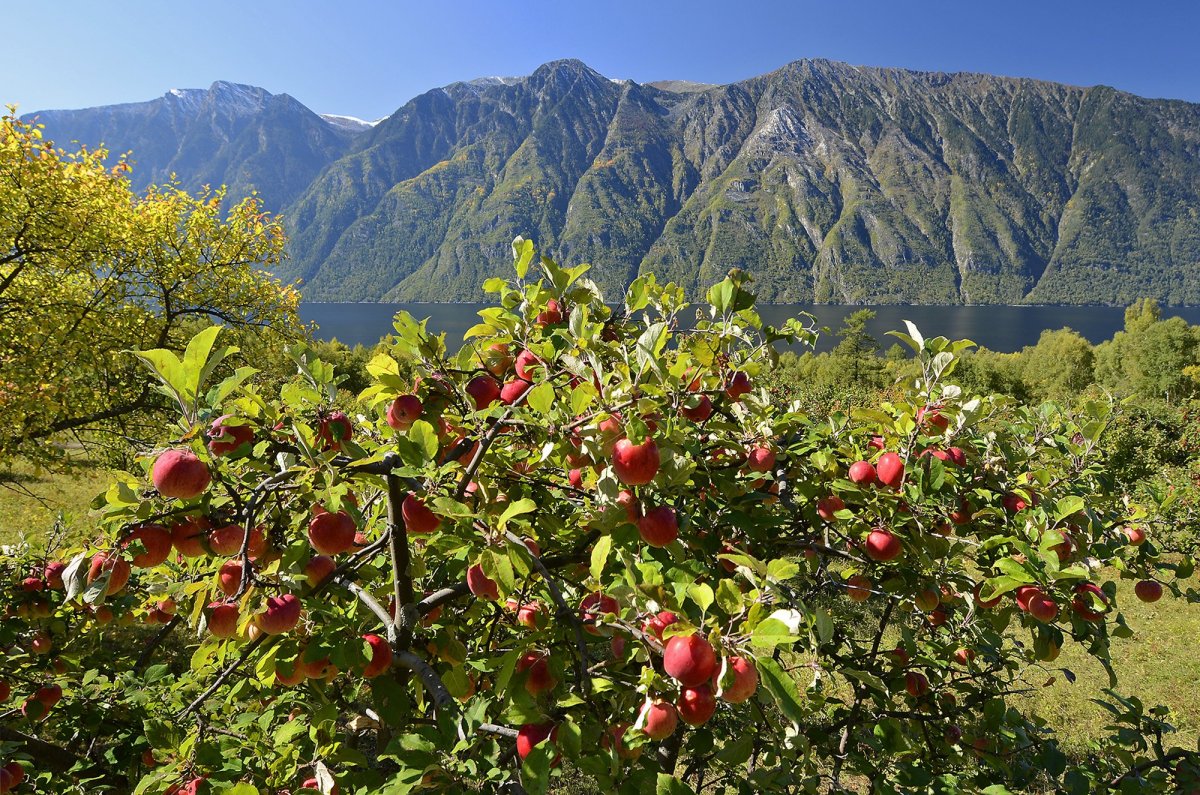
[648, 351]
[522, 255]
[425, 438]
[782, 689]
[823, 623]
[600, 554]
[702, 595]
[521, 506]
[782, 569]
[729, 598]
[772, 632]
[541, 397]
[669, 785]
[499, 568]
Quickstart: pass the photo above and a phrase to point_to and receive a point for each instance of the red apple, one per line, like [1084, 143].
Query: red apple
[659, 719]
[222, 619]
[957, 456]
[496, 359]
[930, 415]
[745, 680]
[659, 527]
[538, 677]
[575, 478]
[533, 734]
[1136, 535]
[1013, 503]
[322, 668]
[281, 615]
[332, 533]
[117, 569]
[418, 519]
[289, 674]
[318, 568]
[156, 541]
[696, 704]
[381, 656]
[404, 411]
[1025, 593]
[658, 622]
[916, 684]
[41, 643]
[689, 659]
[890, 470]
[964, 656]
[527, 365]
[828, 506]
[229, 440]
[738, 385]
[228, 540]
[593, 607]
[635, 464]
[190, 535]
[11, 776]
[883, 545]
[551, 315]
[862, 473]
[615, 738]
[481, 585]
[1043, 608]
[761, 459]
[229, 577]
[512, 391]
[484, 390]
[697, 408]
[5, 691]
[179, 474]
[858, 588]
[33, 584]
[1088, 594]
[55, 568]
[1146, 590]
[334, 429]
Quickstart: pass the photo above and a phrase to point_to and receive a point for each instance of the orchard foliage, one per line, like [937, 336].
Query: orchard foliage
[89, 270]
[586, 550]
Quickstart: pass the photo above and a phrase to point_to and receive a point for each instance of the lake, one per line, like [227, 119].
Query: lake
[1001, 328]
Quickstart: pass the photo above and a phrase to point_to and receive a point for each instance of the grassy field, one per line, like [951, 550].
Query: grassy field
[1159, 665]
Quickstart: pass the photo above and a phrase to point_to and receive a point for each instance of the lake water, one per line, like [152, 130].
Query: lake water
[1001, 328]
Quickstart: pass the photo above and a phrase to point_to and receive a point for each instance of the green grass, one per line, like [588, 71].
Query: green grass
[32, 501]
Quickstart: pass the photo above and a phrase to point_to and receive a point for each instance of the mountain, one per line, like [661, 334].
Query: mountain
[228, 134]
[828, 182]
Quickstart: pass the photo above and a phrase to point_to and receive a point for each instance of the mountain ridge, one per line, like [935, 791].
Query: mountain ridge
[828, 182]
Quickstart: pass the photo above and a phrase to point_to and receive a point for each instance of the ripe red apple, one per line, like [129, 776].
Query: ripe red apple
[41, 643]
[512, 391]
[228, 540]
[155, 539]
[1136, 535]
[697, 408]
[335, 428]
[229, 440]
[551, 315]
[964, 656]
[882, 545]
[745, 680]
[484, 390]
[1088, 594]
[538, 677]
[957, 456]
[312, 783]
[222, 619]
[1146, 590]
[318, 568]
[659, 527]
[190, 535]
[659, 719]
[527, 365]
[858, 588]
[658, 622]
[899, 655]
[927, 599]
[418, 519]
[635, 464]
[533, 734]
[481, 585]
[696, 704]
[575, 478]
[332, 533]
[11, 776]
[289, 674]
[229, 577]
[890, 470]
[404, 411]
[281, 614]
[5, 691]
[593, 607]
[179, 474]
[33, 584]
[614, 738]
[53, 572]
[930, 415]
[496, 358]
[689, 659]
[322, 668]
[738, 385]
[116, 567]
[1043, 608]
[828, 506]
[862, 473]
[1013, 503]
[529, 614]
[761, 459]
[381, 656]
[916, 684]
[1025, 593]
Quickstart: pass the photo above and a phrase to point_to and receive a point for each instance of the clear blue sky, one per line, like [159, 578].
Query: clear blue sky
[367, 58]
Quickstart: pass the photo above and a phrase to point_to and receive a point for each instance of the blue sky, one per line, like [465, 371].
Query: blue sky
[368, 58]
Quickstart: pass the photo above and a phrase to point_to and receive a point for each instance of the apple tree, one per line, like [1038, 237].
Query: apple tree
[586, 551]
